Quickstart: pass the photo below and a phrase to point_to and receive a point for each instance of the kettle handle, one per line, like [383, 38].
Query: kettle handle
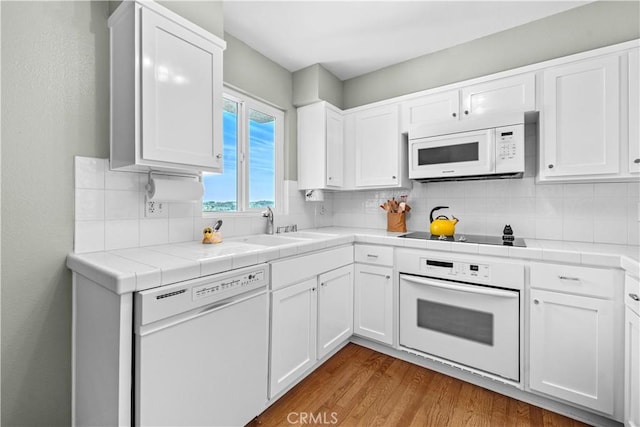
[435, 209]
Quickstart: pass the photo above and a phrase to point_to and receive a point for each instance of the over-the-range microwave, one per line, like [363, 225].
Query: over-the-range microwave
[469, 149]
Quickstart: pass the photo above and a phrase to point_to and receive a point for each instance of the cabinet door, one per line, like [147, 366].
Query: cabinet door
[571, 348]
[373, 303]
[335, 309]
[430, 109]
[377, 142]
[634, 111]
[293, 333]
[515, 93]
[632, 369]
[335, 149]
[181, 95]
[580, 119]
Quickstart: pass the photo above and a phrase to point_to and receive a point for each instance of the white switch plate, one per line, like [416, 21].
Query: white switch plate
[154, 209]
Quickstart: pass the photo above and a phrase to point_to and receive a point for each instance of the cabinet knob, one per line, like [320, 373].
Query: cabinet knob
[636, 161]
[535, 301]
[466, 112]
[313, 289]
[634, 297]
[454, 114]
[219, 156]
[387, 277]
[550, 166]
[393, 177]
[330, 178]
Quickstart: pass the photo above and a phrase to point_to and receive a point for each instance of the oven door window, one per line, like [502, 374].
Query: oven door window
[460, 322]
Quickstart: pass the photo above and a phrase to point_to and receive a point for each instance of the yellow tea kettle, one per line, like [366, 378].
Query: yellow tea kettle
[442, 226]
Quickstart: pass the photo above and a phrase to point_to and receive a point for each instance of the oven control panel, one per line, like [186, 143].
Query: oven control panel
[456, 270]
[229, 284]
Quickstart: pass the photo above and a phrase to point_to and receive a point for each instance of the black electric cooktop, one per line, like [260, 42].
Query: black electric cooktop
[467, 238]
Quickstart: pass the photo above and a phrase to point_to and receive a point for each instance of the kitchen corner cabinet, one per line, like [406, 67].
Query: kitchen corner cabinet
[166, 91]
[373, 293]
[632, 353]
[380, 148]
[508, 94]
[580, 120]
[311, 312]
[335, 309]
[320, 147]
[572, 335]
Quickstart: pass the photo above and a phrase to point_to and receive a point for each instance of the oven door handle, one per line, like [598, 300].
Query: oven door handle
[464, 288]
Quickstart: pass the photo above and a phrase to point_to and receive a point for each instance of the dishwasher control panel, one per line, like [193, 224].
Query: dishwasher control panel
[223, 286]
[205, 293]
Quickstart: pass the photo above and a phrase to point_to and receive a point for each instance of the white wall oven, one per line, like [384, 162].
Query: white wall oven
[465, 311]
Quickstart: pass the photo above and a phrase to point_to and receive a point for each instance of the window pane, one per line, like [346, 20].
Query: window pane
[262, 177]
[221, 193]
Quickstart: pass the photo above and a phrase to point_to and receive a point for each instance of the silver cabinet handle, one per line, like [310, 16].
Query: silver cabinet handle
[313, 289]
[330, 178]
[387, 277]
[634, 297]
[372, 256]
[573, 279]
[466, 112]
[550, 166]
[636, 161]
[454, 114]
[535, 301]
[218, 156]
[393, 177]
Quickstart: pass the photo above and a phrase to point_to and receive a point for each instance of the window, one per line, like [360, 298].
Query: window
[253, 135]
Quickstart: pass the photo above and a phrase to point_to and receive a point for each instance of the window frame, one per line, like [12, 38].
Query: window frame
[246, 102]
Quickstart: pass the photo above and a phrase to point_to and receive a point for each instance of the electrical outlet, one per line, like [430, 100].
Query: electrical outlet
[154, 209]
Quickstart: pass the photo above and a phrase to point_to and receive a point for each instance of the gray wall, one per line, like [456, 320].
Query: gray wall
[315, 83]
[55, 105]
[594, 25]
[251, 72]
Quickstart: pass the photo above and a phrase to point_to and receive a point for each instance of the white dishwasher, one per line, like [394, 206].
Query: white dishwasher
[201, 350]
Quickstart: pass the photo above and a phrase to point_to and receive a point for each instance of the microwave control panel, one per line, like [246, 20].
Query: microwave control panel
[510, 149]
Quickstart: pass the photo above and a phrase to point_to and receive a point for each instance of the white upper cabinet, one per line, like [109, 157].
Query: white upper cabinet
[634, 111]
[320, 147]
[515, 93]
[508, 94]
[380, 154]
[431, 109]
[580, 119]
[166, 91]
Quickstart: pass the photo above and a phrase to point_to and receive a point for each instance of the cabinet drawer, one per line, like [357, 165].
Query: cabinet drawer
[370, 254]
[297, 269]
[632, 293]
[589, 281]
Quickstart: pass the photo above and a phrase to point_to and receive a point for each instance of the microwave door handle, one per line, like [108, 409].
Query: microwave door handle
[468, 288]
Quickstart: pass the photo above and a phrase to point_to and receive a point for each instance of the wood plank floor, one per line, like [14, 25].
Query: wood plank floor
[361, 387]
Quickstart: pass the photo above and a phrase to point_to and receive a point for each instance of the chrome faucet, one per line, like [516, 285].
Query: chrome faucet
[269, 215]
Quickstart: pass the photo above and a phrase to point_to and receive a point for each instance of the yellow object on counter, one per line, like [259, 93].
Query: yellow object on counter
[211, 236]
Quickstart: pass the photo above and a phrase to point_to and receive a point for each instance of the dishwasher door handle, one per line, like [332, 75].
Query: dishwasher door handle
[474, 289]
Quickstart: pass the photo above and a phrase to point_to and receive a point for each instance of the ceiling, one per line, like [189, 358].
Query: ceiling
[351, 38]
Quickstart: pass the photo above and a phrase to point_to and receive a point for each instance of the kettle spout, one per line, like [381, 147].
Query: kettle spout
[454, 220]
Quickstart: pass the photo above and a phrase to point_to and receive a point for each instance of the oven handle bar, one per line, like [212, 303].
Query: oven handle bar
[464, 288]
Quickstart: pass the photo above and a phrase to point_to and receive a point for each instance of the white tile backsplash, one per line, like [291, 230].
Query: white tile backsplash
[110, 210]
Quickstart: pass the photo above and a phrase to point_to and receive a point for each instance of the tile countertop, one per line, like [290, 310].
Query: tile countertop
[129, 270]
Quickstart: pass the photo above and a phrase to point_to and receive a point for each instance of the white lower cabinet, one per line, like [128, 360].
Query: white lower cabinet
[632, 353]
[311, 312]
[572, 335]
[293, 333]
[373, 302]
[335, 309]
